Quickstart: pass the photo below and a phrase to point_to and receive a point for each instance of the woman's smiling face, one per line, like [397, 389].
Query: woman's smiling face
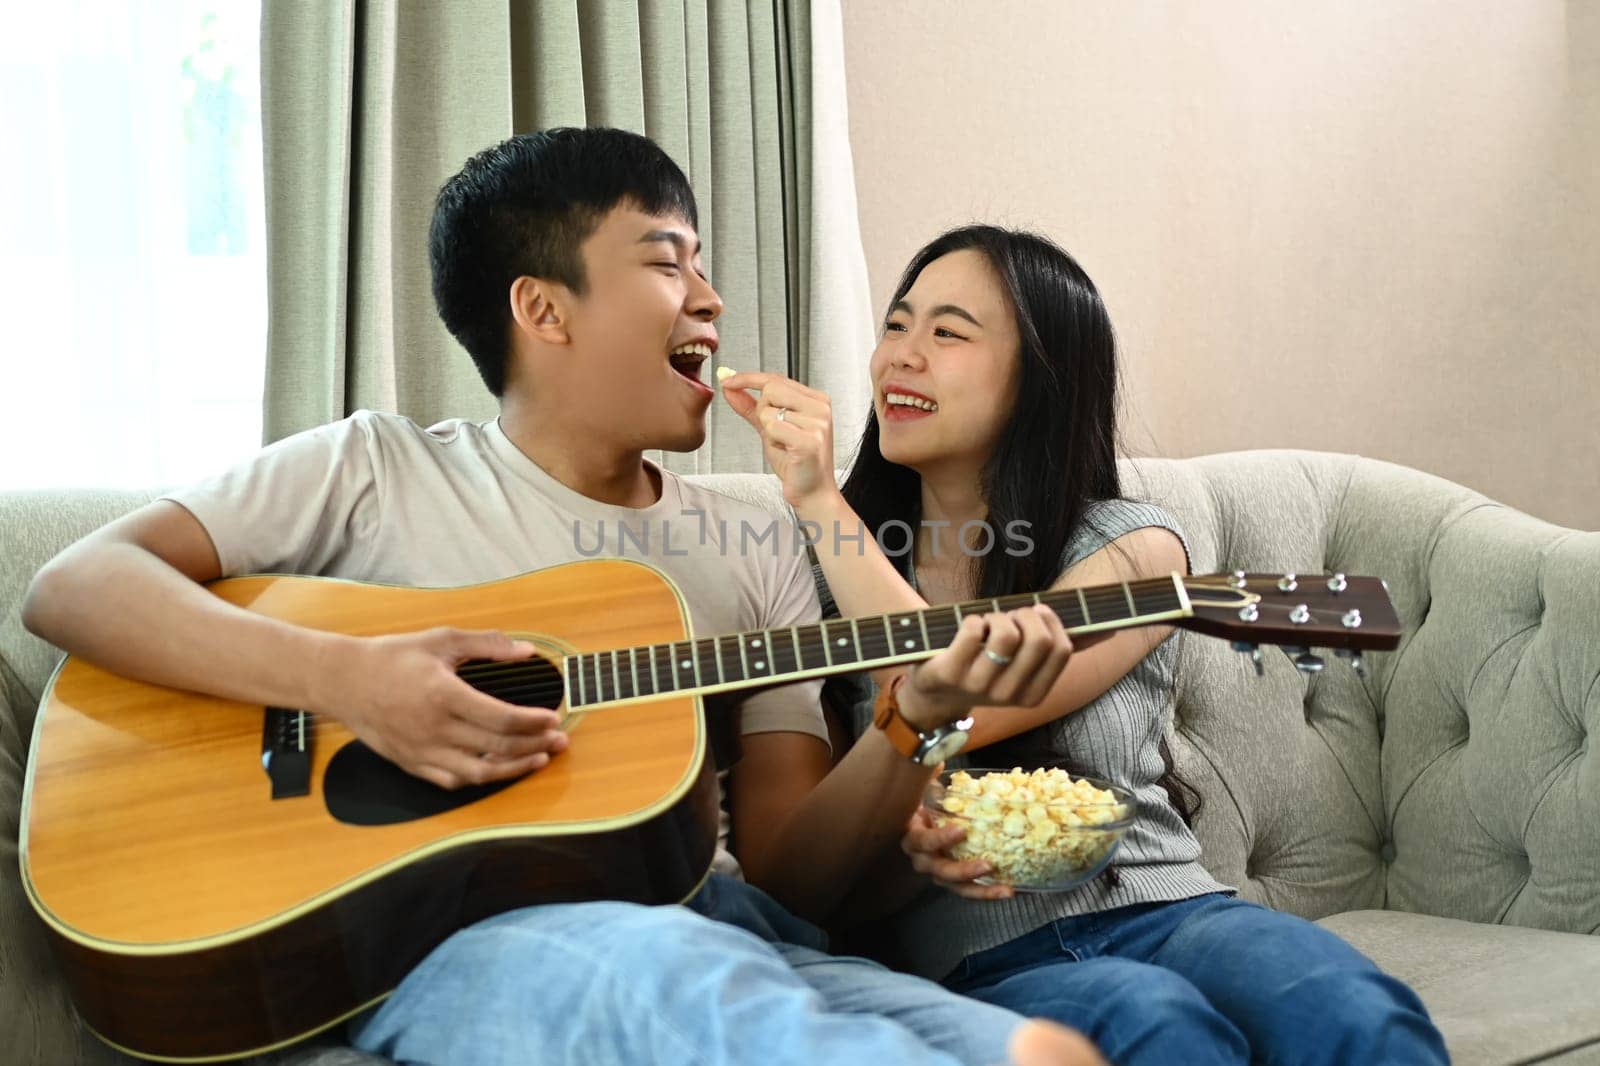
[945, 373]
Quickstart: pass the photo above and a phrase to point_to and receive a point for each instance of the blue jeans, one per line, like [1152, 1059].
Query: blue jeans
[1212, 979]
[730, 978]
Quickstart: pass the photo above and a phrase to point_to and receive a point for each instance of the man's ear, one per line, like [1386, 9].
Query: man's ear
[540, 309]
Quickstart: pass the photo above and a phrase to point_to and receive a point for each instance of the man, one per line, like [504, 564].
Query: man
[566, 262]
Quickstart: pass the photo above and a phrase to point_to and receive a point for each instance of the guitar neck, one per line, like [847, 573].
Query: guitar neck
[778, 656]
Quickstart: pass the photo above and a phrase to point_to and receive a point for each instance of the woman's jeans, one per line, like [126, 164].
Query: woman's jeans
[731, 977]
[1212, 979]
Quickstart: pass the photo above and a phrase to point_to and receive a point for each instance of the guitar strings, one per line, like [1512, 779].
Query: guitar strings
[491, 678]
[814, 639]
[544, 694]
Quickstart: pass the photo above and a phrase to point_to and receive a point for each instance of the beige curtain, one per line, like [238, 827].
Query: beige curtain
[369, 105]
[833, 324]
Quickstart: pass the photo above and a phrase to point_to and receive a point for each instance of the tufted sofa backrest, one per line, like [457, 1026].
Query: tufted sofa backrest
[1457, 778]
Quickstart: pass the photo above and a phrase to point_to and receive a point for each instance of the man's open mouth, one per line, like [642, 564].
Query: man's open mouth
[688, 359]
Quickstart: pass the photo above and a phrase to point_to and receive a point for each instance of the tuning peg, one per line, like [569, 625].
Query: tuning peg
[1356, 662]
[1307, 663]
[1255, 655]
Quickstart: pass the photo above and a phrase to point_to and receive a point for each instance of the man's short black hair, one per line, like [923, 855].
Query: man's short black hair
[524, 207]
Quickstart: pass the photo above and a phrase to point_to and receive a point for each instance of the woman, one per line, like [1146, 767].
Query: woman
[992, 437]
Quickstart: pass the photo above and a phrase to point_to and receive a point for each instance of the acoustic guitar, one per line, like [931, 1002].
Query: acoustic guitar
[220, 879]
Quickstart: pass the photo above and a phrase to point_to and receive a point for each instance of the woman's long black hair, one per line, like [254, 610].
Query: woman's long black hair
[1055, 457]
[1058, 452]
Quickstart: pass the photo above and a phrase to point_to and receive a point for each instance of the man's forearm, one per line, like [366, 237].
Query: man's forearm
[840, 828]
[126, 610]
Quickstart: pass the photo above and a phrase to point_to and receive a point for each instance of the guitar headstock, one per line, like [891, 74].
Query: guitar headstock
[1347, 614]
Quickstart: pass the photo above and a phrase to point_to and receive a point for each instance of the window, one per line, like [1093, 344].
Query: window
[132, 241]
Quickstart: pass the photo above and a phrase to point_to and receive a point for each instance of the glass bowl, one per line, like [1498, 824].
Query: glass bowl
[1041, 830]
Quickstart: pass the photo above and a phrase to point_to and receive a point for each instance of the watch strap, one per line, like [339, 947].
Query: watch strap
[886, 716]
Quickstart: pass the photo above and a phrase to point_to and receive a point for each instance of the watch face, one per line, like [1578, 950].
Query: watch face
[939, 748]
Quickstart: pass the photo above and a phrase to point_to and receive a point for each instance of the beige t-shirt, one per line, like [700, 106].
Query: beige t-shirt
[377, 498]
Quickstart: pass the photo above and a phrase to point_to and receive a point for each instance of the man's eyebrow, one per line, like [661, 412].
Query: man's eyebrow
[941, 309]
[673, 237]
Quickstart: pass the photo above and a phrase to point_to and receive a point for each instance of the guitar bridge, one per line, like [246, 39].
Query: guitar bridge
[286, 752]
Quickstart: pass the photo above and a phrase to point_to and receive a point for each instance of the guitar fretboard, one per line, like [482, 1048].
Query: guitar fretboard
[742, 660]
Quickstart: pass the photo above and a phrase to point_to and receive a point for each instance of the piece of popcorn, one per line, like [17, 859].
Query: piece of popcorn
[725, 372]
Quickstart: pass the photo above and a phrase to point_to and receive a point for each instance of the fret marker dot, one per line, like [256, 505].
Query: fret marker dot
[684, 664]
[760, 665]
[842, 642]
[905, 621]
[755, 644]
[911, 644]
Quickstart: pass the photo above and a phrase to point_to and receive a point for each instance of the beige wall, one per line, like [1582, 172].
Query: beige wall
[1357, 226]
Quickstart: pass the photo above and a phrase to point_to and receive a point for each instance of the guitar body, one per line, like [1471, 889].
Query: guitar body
[197, 917]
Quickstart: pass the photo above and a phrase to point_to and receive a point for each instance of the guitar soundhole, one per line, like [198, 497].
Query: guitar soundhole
[361, 787]
[535, 682]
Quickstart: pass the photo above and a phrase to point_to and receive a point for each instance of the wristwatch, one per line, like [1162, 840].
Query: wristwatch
[923, 748]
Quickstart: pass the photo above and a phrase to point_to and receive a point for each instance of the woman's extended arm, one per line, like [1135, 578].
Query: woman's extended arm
[864, 581]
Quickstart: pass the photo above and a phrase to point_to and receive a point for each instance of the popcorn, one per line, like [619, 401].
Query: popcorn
[1036, 829]
[725, 372]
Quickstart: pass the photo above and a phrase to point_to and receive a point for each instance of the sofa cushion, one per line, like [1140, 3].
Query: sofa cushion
[38, 525]
[1457, 778]
[1498, 994]
[1493, 788]
[1254, 747]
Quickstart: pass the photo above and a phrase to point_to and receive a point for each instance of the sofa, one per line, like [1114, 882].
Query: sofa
[1442, 812]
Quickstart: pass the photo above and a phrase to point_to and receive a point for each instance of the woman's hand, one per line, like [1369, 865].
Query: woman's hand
[929, 846]
[796, 427]
[1000, 659]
